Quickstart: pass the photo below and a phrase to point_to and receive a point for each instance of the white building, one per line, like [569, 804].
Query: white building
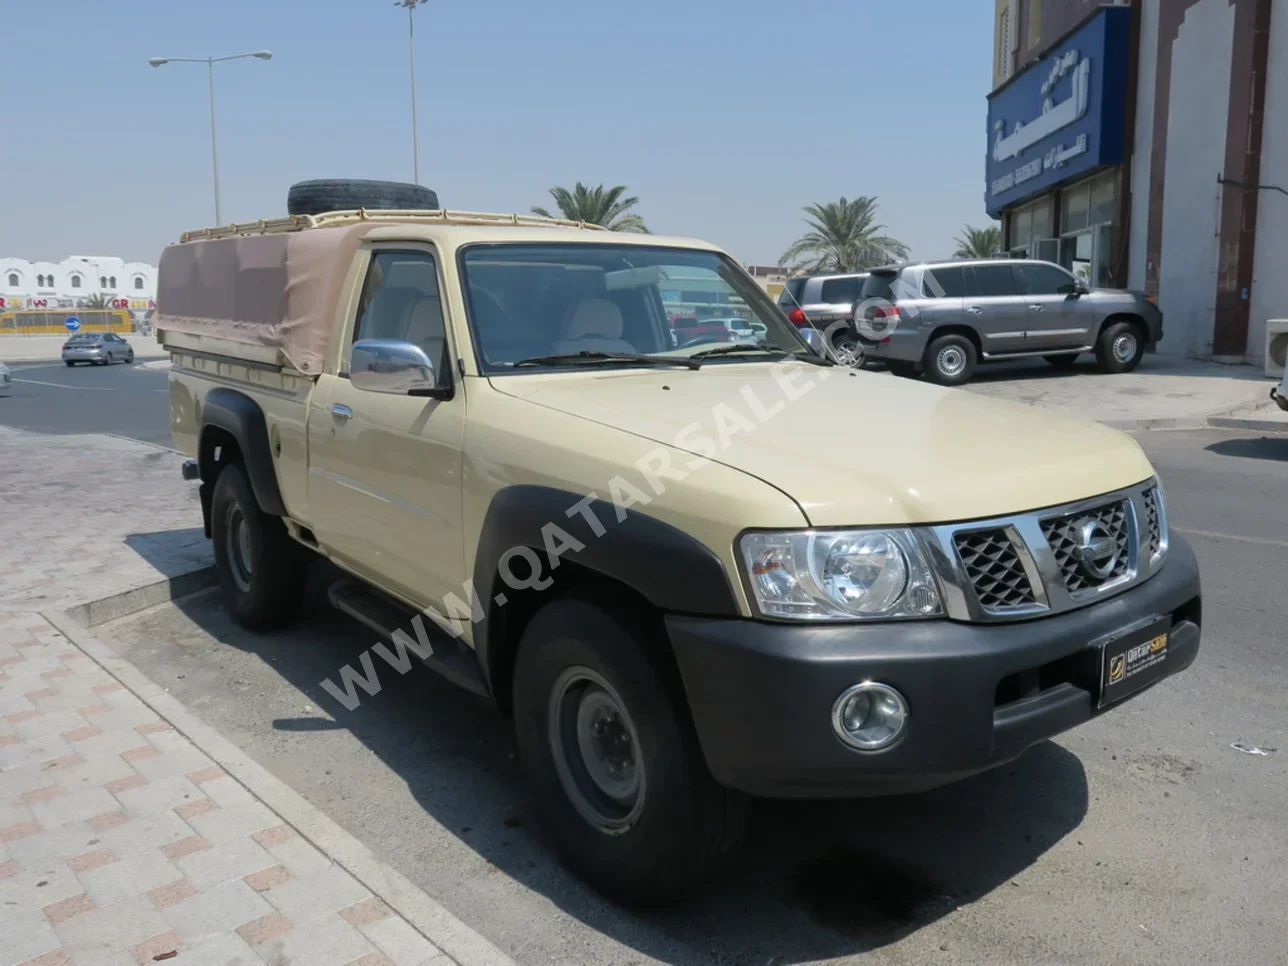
[66, 284]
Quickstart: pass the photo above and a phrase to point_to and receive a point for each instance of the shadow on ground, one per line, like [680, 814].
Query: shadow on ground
[1252, 447]
[814, 880]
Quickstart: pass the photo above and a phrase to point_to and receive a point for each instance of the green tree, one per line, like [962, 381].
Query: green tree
[95, 301]
[844, 237]
[978, 242]
[596, 206]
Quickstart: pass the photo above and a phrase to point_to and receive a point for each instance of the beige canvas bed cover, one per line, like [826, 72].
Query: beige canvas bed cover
[273, 290]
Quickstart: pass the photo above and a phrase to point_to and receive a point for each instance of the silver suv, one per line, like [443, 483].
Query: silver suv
[942, 318]
[823, 301]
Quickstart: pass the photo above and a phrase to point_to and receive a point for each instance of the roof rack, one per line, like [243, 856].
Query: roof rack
[332, 219]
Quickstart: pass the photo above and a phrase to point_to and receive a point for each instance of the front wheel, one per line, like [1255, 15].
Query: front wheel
[606, 739]
[950, 360]
[1120, 347]
[261, 569]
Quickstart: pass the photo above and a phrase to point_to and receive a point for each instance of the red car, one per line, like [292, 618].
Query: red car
[688, 329]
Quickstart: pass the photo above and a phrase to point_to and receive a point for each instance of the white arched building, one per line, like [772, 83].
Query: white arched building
[65, 284]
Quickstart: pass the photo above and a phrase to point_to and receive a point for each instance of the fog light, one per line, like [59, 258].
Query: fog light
[869, 716]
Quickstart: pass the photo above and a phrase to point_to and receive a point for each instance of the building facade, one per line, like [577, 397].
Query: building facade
[75, 280]
[1145, 145]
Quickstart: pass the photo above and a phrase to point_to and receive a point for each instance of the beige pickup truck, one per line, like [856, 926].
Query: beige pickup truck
[692, 570]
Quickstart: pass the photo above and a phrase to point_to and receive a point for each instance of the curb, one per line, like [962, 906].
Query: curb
[1249, 423]
[141, 598]
[423, 913]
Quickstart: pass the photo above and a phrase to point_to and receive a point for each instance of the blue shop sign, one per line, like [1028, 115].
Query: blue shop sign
[1063, 116]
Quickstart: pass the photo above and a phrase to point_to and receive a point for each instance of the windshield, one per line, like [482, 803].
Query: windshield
[535, 301]
[85, 337]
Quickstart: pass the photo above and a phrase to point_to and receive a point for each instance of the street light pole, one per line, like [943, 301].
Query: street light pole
[214, 142]
[411, 44]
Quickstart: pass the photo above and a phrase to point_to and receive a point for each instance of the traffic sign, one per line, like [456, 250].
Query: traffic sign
[72, 324]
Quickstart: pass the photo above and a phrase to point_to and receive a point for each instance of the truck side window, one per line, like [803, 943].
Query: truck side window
[401, 301]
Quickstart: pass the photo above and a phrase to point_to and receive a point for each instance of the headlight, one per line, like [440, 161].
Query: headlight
[840, 575]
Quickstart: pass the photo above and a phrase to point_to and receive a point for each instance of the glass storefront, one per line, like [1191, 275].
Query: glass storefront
[1083, 243]
[1086, 227]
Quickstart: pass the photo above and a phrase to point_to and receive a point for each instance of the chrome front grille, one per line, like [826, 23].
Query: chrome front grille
[1153, 527]
[1064, 535]
[1053, 560]
[994, 569]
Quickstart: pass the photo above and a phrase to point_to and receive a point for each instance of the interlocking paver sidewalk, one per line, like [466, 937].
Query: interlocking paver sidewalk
[121, 842]
[1165, 392]
[86, 517]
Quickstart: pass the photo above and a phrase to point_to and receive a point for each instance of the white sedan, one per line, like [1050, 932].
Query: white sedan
[6, 380]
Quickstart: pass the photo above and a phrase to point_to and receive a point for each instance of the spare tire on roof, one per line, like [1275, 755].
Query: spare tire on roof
[342, 194]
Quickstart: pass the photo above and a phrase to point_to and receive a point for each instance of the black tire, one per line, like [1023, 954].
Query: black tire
[268, 593]
[129, 360]
[847, 350]
[69, 363]
[1120, 347]
[940, 356]
[343, 194]
[1065, 361]
[667, 843]
[902, 369]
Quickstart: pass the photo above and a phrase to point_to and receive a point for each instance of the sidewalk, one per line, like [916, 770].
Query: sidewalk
[39, 348]
[1164, 393]
[131, 832]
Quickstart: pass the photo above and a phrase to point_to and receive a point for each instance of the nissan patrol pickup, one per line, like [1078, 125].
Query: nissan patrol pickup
[655, 556]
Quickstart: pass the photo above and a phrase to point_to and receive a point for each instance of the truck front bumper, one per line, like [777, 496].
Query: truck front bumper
[978, 695]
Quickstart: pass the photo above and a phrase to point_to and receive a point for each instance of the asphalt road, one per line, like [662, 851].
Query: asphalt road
[125, 400]
[1142, 837]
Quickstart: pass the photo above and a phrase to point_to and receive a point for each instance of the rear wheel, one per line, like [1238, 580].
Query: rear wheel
[69, 363]
[1120, 347]
[1062, 361]
[847, 350]
[605, 737]
[261, 569]
[950, 360]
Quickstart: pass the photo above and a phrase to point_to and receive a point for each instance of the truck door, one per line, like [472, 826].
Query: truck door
[385, 470]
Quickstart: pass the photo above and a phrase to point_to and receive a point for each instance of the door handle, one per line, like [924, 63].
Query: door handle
[974, 310]
[1035, 308]
[341, 411]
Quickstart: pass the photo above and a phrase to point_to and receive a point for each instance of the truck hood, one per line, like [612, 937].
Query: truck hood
[853, 448]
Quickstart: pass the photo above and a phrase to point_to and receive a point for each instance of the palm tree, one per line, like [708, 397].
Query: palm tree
[95, 301]
[978, 242]
[596, 206]
[844, 237]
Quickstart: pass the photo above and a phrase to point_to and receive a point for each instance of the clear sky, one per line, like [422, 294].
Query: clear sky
[724, 117]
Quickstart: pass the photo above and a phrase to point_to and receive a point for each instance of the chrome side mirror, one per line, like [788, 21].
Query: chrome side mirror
[391, 366]
[814, 339]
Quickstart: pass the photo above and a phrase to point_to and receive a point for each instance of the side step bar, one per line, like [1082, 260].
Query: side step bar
[384, 615]
[1003, 356]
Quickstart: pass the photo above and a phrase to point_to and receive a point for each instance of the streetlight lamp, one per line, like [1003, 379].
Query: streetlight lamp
[411, 43]
[210, 67]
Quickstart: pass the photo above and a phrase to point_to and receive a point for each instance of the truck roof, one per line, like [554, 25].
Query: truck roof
[456, 226]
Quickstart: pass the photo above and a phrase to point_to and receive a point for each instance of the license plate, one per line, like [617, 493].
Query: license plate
[1133, 660]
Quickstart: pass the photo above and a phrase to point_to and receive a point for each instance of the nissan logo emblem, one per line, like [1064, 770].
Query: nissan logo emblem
[1097, 549]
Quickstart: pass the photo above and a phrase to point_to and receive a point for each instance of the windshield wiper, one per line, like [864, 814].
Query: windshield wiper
[594, 355]
[728, 350]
